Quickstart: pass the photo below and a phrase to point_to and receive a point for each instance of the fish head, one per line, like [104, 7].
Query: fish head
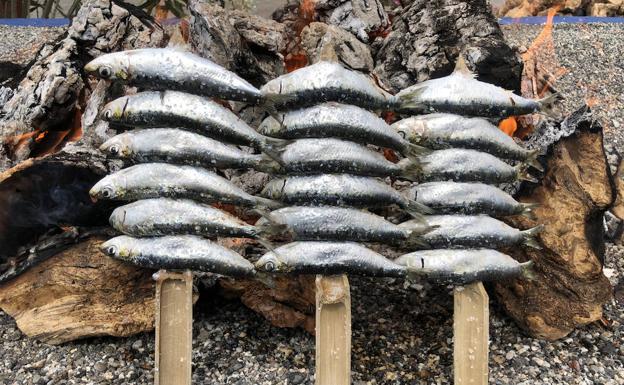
[118, 247]
[118, 146]
[274, 189]
[113, 66]
[117, 218]
[270, 263]
[107, 188]
[116, 110]
[270, 127]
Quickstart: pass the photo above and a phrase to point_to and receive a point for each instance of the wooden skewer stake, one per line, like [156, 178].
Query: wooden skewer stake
[174, 328]
[471, 334]
[333, 330]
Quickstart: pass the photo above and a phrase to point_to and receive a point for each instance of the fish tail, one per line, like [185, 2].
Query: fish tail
[546, 104]
[529, 237]
[533, 161]
[272, 101]
[417, 210]
[265, 203]
[527, 271]
[411, 99]
[410, 169]
[415, 241]
[268, 164]
[274, 148]
[523, 174]
[265, 279]
[414, 151]
[265, 243]
[271, 229]
[527, 209]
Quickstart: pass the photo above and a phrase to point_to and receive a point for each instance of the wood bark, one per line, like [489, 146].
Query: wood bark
[80, 293]
[569, 288]
[427, 37]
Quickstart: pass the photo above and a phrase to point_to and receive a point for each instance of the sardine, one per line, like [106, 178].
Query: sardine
[169, 145]
[463, 266]
[467, 231]
[460, 93]
[171, 69]
[340, 190]
[178, 252]
[468, 198]
[461, 165]
[328, 258]
[324, 82]
[164, 216]
[338, 121]
[156, 180]
[153, 109]
[314, 156]
[442, 131]
[327, 223]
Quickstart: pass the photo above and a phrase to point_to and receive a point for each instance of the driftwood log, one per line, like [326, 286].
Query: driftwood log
[569, 288]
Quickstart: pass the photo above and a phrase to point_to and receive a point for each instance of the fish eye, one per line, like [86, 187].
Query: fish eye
[114, 150]
[269, 266]
[108, 114]
[111, 250]
[107, 192]
[105, 72]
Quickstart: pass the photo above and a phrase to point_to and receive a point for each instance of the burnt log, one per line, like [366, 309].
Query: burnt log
[427, 37]
[569, 288]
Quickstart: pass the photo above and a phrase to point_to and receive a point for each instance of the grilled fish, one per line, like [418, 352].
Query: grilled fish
[313, 156]
[442, 131]
[460, 93]
[463, 165]
[170, 69]
[153, 109]
[338, 121]
[324, 82]
[327, 223]
[155, 180]
[178, 252]
[164, 216]
[339, 190]
[463, 266]
[170, 145]
[328, 258]
[468, 198]
[467, 231]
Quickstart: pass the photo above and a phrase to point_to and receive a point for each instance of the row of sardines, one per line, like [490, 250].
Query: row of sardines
[321, 143]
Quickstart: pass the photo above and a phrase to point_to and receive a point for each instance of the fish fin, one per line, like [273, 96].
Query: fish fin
[546, 104]
[529, 237]
[415, 151]
[523, 174]
[527, 271]
[461, 67]
[417, 210]
[410, 100]
[269, 165]
[274, 148]
[271, 101]
[265, 279]
[271, 229]
[532, 160]
[414, 241]
[410, 169]
[527, 209]
[270, 204]
[265, 243]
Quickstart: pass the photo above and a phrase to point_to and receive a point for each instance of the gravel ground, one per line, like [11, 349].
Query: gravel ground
[407, 339]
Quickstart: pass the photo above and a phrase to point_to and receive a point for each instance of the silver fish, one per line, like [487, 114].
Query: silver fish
[461, 165]
[338, 121]
[178, 252]
[463, 266]
[170, 145]
[171, 69]
[466, 231]
[164, 216]
[324, 82]
[339, 190]
[460, 93]
[155, 180]
[327, 223]
[328, 258]
[468, 198]
[153, 109]
[314, 156]
[442, 131]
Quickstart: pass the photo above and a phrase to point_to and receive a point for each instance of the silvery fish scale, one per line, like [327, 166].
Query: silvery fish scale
[462, 165]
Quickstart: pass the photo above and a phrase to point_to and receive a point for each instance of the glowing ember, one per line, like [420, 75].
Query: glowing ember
[295, 61]
[509, 125]
[306, 10]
